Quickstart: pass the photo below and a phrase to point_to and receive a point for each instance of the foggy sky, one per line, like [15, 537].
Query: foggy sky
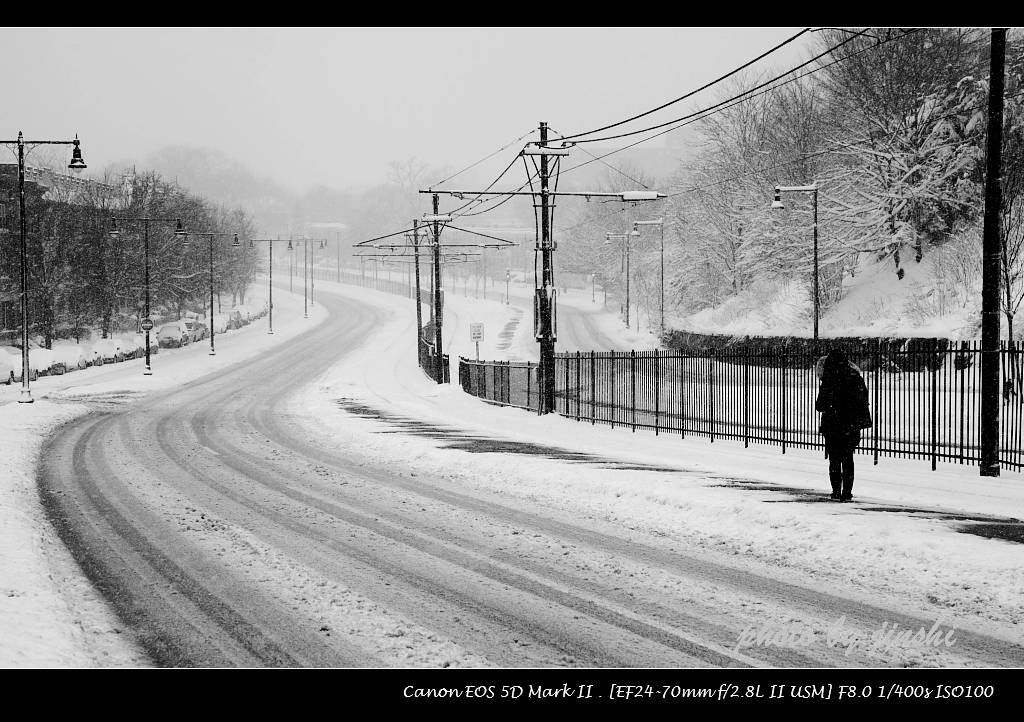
[333, 106]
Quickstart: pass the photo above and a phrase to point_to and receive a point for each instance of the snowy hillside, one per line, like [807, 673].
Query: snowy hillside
[932, 299]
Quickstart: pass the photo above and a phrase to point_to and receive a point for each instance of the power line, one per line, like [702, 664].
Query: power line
[735, 101]
[693, 92]
[486, 157]
[724, 102]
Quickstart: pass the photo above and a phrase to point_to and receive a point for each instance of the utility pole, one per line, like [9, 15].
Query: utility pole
[438, 308]
[989, 426]
[544, 293]
[305, 279]
[544, 306]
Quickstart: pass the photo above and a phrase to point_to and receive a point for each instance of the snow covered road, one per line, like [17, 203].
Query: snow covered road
[307, 508]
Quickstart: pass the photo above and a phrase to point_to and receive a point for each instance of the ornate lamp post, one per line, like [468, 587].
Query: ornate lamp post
[76, 165]
[210, 235]
[147, 322]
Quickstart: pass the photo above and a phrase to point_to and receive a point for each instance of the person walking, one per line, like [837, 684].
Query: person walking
[843, 403]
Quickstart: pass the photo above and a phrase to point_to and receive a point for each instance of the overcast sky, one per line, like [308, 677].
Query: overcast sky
[333, 106]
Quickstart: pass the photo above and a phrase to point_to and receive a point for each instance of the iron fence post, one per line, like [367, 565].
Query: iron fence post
[632, 387]
[657, 391]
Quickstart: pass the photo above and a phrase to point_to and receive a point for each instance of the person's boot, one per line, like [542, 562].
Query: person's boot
[837, 481]
[847, 494]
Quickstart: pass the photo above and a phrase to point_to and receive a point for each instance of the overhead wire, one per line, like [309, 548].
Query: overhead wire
[692, 92]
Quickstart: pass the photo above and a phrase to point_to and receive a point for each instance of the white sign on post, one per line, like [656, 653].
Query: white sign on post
[476, 335]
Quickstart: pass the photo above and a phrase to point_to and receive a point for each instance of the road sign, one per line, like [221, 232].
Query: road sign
[476, 332]
[147, 324]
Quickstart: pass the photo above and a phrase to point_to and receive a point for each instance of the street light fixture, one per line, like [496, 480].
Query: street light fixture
[76, 165]
[210, 235]
[660, 222]
[625, 238]
[777, 204]
[147, 322]
[270, 280]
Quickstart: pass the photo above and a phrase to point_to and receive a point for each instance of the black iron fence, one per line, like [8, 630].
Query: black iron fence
[925, 402]
[509, 383]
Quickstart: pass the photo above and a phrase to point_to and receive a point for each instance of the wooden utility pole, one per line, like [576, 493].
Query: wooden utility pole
[438, 298]
[989, 425]
[545, 292]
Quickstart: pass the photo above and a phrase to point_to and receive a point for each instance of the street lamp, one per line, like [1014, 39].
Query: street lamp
[147, 322]
[270, 281]
[210, 235]
[624, 237]
[777, 204]
[660, 222]
[307, 291]
[76, 165]
[508, 279]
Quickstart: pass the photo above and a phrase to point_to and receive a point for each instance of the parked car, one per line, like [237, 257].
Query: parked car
[7, 369]
[13, 353]
[221, 322]
[74, 356]
[235, 319]
[108, 350]
[130, 347]
[174, 334]
[93, 354]
[197, 330]
[46, 361]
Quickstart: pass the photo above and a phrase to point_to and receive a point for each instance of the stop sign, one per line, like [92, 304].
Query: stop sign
[147, 324]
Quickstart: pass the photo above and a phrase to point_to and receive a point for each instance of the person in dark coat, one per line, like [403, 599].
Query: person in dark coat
[843, 403]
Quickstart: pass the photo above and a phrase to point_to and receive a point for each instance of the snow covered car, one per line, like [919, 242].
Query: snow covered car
[92, 354]
[235, 319]
[221, 322]
[173, 335]
[46, 361]
[13, 353]
[107, 349]
[74, 356]
[197, 330]
[130, 347]
[7, 369]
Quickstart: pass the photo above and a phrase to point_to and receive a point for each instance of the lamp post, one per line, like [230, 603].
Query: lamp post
[660, 222]
[624, 237]
[508, 279]
[307, 270]
[778, 204]
[147, 323]
[76, 165]
[210, 235]
[270, 281]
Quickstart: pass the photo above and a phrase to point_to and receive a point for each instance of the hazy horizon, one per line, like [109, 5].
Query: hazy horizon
[309, 106]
